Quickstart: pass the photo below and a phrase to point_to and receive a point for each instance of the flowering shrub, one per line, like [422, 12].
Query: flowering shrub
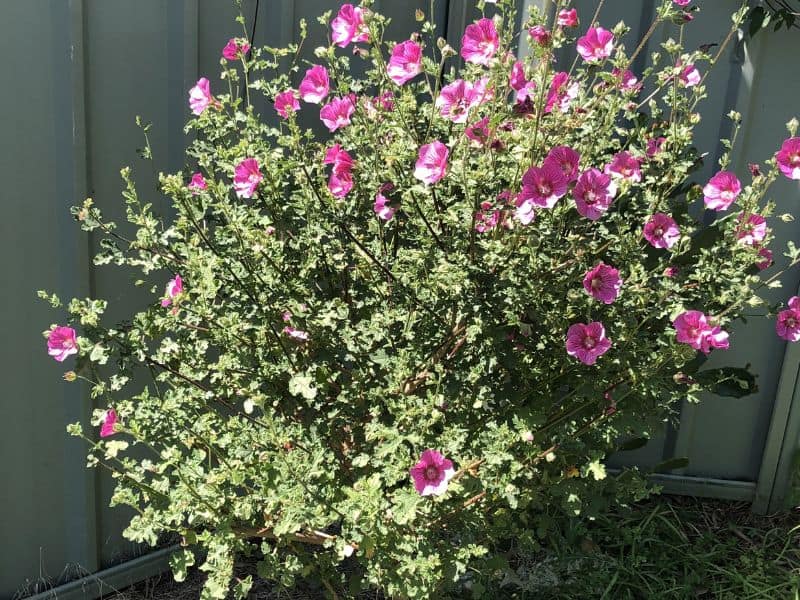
[408, 345]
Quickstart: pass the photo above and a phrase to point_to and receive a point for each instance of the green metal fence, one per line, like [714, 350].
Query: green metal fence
[75, 74]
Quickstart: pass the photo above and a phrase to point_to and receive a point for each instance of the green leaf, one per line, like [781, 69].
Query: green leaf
[302, 385]
[180, 562]
[632, 444]
[730, 382]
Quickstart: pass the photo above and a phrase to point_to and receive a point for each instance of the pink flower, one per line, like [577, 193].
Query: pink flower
[625, 166]
[200, 97]
[349, 26]
[787, 325]
[234, 50]
[315, 85]
[602, 283]
[654, 146]
[286, 316]
[524, 212]
[566, 159]
[337, 112]
[661, 231]
[455, 101]
[485, 219]
[681, 2]
[690, 76]
[246, 178]
[720, 192]
[480, 42]
[61, 342]
[432, 473]
[753, 231]
[405, 63]
[568, 18]
[692, 327]
[671, 271]
[197, 184]
[173, 288]
[766, 255]
[788, 158]
[594, 193]
[561, 93]
[478, 131]
[587, 342]
[517, 79]
[596, 45]
[340, 184]
[339, 158]
[627, 80]
[296, 334]
[432, 162]
[109, 421]
[286, 103]
[341, 179]
[543, 186]
[382, 207]
[540, 35]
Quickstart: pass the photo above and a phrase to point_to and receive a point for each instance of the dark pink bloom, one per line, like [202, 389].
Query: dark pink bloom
[681, 2]
[602, 283]
[594, 194]
[337, 112]
[349, 26]
[655, 146]
[432, 162]
[671, 271]
[568, 18]
[692, 327]
[625, 166]
[481, 92]
[661, 231]
[200, 97]
[432, 473]
[543, 186]
[173, 289]
[339, 158]
[478, 131]
[540, 35]
[566, 159]
[587, 342]
[596, 45]
[286, 103]
[235, 49]
[109, 421]
[561, 93]
[382, 208]
[246, 178]
[341, 180]
[480, 42]
[788, 158]
[627, 80]
[690, 76]
[486, 220]
[721, 191]
[197, 184]
[61, 342]
[753, 231]
[788, 324]
[455, 101]
[340, 184]
[766, 255]
[517, 79]
[296, 334]
[315, 85]
[405, 63]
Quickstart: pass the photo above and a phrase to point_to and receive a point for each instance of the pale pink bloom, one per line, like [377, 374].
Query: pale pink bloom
[246, 178]
[587, 342]
[543, 186]
[340, 183]
[269, 230]
[173, 288]
[315, 85]
[386, 101]
[382, 208]
[561, 93]
[753, 231]
[721, 191]
[594, 193]
[286, 103]
[349, 26]
[524, 212]
[596, 45]
[337, 112]
[602, 283]
[339, 158]
[766, 255]
[788, 158]
[692, 328]
[455, 101]
[479, 131]
[671, 271]
[655, 146]
[432, 162]
[197, 184]
[296, 334]
[540, 35]
[480, 42]
[432, 473]
[405, 63]
[234, 49]
[661, 231]
[61, 342]
[566, 159]
[481, 92]
[200, 97]
[690, 76]
[286, 316]
[517, 79]
[486, 220]
[109, 421]
[625, 166]
[568, 18]
[527, 94]
[627, 80]
[787, 325]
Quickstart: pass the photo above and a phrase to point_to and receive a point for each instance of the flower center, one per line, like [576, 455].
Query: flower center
[596, 283]
[431, 473]
[693, 331]
[589, 343]
[590, 197]
[658, 231]
[68, 343]
[545, 189]
[791, 323]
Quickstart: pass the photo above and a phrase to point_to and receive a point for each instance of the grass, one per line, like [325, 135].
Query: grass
[666, 548]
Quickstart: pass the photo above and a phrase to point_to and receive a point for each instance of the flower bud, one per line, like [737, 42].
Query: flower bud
[70, 376]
